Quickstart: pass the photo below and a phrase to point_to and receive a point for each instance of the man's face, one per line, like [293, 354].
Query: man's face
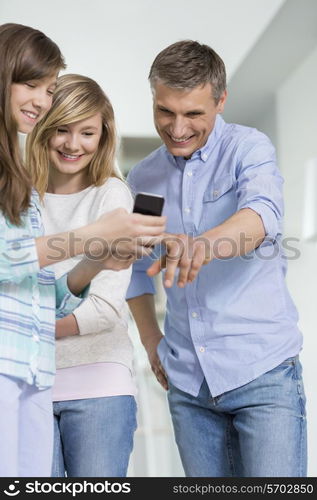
[185, 118]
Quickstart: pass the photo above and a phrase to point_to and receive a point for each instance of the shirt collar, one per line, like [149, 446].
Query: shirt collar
[214, 135]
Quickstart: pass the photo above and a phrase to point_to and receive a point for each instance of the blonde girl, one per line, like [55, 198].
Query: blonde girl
[72, 157]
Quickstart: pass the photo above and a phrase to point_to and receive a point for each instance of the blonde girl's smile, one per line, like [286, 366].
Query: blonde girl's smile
[75, 144]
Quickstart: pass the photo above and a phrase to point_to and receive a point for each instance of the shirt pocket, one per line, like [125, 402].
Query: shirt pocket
[219, 202]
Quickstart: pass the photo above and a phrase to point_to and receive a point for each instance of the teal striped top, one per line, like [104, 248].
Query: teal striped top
[30, 301]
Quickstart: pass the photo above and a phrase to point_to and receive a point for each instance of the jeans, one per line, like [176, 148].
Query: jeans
[93, 437]
[257, 430]
[26, 423]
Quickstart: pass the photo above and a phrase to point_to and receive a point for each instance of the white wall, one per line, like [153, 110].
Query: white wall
[274, 89]
[296, 105]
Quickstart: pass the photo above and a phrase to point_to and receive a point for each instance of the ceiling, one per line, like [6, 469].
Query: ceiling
[116, 41]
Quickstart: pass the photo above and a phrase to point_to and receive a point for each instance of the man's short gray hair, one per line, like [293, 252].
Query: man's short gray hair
[188, 64]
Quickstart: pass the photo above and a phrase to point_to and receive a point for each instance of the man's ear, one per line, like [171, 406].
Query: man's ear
[222, 101]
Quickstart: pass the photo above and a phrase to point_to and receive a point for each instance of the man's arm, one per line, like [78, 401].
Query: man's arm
[258, 188]
[143, 311]
[238, 235]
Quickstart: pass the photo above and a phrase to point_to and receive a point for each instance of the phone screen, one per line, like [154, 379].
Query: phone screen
[148, 204]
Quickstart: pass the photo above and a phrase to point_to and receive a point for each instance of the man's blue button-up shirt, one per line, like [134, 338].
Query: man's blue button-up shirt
[237, 320]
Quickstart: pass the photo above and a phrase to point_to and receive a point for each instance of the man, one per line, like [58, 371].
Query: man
[231, 344]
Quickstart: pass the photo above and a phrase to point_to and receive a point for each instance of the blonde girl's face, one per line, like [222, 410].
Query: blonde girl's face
[73, 146]
[31, 100]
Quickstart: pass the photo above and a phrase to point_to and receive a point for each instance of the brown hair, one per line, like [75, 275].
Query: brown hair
[188, 64]
[25, 54]
[76, 98]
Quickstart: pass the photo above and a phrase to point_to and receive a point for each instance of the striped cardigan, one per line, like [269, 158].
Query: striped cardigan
[30, 301]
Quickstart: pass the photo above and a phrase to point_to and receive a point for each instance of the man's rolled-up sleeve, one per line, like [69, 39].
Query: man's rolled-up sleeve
[259, 185]
[140, 283]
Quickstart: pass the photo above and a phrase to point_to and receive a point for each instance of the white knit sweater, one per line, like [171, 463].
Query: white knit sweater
[102, 317]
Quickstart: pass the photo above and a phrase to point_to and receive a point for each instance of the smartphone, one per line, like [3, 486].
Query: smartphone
[148, 204]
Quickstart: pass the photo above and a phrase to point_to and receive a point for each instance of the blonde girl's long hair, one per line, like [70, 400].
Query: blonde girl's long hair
[25, 54]
[76, 98]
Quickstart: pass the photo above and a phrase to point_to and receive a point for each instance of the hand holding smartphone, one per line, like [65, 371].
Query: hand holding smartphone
[148, 204]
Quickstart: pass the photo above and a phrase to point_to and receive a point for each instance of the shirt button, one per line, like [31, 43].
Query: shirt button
[204, 156]
[189, 174]
[194, 315]
[202, 349]
[36, 338]
[187, 210]
[216, 193]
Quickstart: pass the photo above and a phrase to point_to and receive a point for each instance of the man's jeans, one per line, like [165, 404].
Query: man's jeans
[93, 437]
[257, 430]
